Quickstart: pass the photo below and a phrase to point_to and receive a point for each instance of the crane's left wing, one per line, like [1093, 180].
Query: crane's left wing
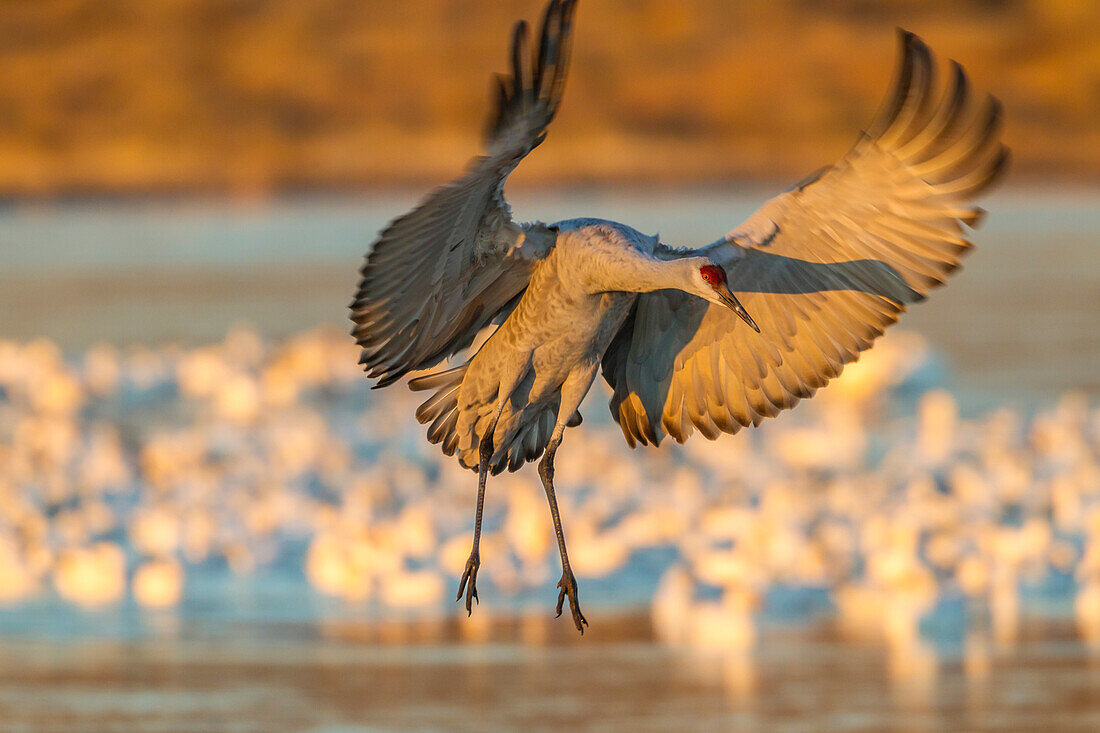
[445, 270]
[823, 269]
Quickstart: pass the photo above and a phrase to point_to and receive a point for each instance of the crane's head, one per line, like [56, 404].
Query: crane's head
[714, 287]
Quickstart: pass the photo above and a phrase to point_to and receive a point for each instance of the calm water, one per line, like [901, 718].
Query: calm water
[531, 674]
[1020, 318]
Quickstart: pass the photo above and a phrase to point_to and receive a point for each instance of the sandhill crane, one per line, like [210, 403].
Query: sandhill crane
[822, 270]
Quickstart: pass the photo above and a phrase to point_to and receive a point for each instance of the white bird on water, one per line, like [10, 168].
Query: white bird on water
[823, 269]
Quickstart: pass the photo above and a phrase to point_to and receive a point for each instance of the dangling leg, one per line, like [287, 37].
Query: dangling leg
[567, 584]
[485, 454]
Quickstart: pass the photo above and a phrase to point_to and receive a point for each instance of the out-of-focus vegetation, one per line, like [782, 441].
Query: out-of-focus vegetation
[255, 96]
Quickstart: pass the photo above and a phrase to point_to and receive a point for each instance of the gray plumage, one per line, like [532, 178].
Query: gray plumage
[822, 269]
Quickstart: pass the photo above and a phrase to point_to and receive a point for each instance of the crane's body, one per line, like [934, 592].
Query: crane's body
[528, 379]
[823, 269]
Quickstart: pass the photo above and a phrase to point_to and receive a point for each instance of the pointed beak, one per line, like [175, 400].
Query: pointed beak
[730, 301]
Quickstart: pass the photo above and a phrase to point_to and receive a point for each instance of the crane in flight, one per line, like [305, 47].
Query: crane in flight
[710, 339]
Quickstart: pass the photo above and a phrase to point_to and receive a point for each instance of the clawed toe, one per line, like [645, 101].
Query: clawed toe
[469, 576]
[568, 586]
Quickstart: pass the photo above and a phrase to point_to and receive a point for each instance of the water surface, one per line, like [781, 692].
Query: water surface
[531, 674]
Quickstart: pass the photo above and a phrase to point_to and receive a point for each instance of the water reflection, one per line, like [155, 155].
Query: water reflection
[530, 671]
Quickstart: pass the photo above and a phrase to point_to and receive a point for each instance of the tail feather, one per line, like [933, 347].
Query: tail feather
[442, 426]
[440, 403]
[436, 380]
[441, 409]
[440, 412]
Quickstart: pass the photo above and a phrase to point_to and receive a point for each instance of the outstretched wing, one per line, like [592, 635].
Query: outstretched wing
[439, 274]
[823, 268]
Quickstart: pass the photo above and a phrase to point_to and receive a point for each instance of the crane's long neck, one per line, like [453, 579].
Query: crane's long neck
[637, 272]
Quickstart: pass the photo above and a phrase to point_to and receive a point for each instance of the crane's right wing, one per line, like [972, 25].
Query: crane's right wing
[823, 269]
[439, 274]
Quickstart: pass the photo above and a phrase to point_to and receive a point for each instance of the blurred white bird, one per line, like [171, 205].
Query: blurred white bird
[823, 268]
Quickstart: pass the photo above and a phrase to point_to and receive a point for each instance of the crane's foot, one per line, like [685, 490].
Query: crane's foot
[568, 586]
[470, 576]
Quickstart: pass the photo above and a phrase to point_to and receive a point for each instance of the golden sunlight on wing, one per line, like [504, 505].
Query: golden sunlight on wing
[824, 268]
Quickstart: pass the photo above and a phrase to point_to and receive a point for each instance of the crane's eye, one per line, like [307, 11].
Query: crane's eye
[712, 274]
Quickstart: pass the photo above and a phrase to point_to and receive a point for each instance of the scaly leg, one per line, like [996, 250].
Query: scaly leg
[567, 584]
[485, 454]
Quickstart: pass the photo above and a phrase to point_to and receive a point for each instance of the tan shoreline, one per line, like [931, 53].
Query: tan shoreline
[256, 99]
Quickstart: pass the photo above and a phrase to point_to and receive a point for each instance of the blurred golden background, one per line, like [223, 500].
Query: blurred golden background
[280, 96]
[209, 521]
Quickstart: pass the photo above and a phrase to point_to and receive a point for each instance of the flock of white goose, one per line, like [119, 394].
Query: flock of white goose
[125, 470]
